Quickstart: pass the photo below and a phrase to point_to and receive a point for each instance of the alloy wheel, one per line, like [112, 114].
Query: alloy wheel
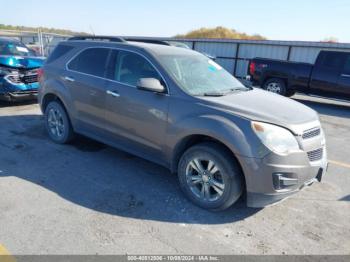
[205, 180]
[274, 87]
[56, 123]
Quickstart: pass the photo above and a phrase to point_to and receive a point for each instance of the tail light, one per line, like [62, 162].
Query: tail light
[252, 68]
[40, 73]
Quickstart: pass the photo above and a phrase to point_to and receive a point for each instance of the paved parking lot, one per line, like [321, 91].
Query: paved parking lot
[88, 198]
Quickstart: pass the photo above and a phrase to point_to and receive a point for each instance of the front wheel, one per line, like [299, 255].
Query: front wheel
[210, 177]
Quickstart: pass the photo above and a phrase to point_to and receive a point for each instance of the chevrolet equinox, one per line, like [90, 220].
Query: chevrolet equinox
[182, 110]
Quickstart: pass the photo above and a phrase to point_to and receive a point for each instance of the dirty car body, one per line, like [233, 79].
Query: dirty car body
[18, 71]
[273, 146]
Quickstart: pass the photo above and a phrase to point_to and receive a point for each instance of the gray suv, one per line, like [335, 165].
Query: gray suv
[180, 109]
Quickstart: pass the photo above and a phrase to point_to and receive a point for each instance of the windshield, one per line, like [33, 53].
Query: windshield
[198, 75]
[15, 49]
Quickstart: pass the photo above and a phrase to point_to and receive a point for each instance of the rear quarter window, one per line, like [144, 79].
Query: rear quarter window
[92, 61]
[58, 52]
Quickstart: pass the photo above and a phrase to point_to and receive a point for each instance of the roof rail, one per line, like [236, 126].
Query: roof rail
[122, 39]
[102, 38]
[146, 40]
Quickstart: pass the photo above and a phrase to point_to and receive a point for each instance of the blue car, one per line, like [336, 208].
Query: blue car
[18, 71]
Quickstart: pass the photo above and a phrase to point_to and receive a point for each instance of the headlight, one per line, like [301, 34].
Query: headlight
[277, 139]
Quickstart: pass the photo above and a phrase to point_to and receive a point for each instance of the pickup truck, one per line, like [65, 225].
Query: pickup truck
[328, 77]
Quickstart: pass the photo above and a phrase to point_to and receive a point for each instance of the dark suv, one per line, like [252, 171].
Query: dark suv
[180, 109]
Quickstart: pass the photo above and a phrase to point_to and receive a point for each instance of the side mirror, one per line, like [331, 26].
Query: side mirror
[150, 84]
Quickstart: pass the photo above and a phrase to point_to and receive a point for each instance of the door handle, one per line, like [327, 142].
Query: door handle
[112, 93]
[345, 75]
[69, 79]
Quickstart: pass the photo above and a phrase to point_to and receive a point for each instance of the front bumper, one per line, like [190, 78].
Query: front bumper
[273, 178]
[11, 92]
[19, 96]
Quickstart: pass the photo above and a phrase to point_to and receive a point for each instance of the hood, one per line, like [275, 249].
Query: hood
[26, 62]
[260, 105]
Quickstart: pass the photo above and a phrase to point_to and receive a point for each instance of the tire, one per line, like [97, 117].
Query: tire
[275, 85]
[290, 93]
[58, 124]
[227, 179]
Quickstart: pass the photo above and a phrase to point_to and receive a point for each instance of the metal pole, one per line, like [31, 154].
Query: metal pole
[289, 52]
[236, 59]
[42, 43]
[39, 39]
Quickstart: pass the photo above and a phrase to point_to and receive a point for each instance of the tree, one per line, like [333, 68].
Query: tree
[43, 29]
[219, 32]
[330, 39]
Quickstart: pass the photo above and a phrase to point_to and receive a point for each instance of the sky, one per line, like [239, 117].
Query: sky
[309, 20]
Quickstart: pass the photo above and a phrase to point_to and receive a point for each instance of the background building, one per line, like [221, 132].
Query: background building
[233, 55]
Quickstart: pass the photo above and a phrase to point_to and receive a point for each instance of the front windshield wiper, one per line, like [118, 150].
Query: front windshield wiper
[243, 88]
[214, 94]
[225, 92]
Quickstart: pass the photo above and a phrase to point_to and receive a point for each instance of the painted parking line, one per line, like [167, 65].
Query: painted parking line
[5, 256]
[337, 163]
[3, 250]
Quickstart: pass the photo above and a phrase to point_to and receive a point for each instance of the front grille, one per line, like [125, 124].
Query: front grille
[29, 79]
[315, 155]
[310, 133]
[23, 76]
[25, 92]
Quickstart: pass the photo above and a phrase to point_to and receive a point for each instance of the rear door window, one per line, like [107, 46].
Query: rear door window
[332, 60]
[346, 69]
[92, 61]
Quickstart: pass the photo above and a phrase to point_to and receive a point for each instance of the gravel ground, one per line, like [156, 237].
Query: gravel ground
[88, 198]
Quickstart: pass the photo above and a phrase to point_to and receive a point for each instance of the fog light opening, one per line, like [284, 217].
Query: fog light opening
[284, 180]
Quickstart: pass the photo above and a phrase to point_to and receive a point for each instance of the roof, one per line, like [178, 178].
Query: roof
[162, 49]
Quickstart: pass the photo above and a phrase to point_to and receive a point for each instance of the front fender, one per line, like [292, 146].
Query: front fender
[236, 133]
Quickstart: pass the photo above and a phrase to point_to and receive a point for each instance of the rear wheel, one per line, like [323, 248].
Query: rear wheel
[57, 123]
[275, 85]
[210, 177]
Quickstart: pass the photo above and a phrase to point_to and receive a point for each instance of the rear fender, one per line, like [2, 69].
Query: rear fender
[55, 87]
